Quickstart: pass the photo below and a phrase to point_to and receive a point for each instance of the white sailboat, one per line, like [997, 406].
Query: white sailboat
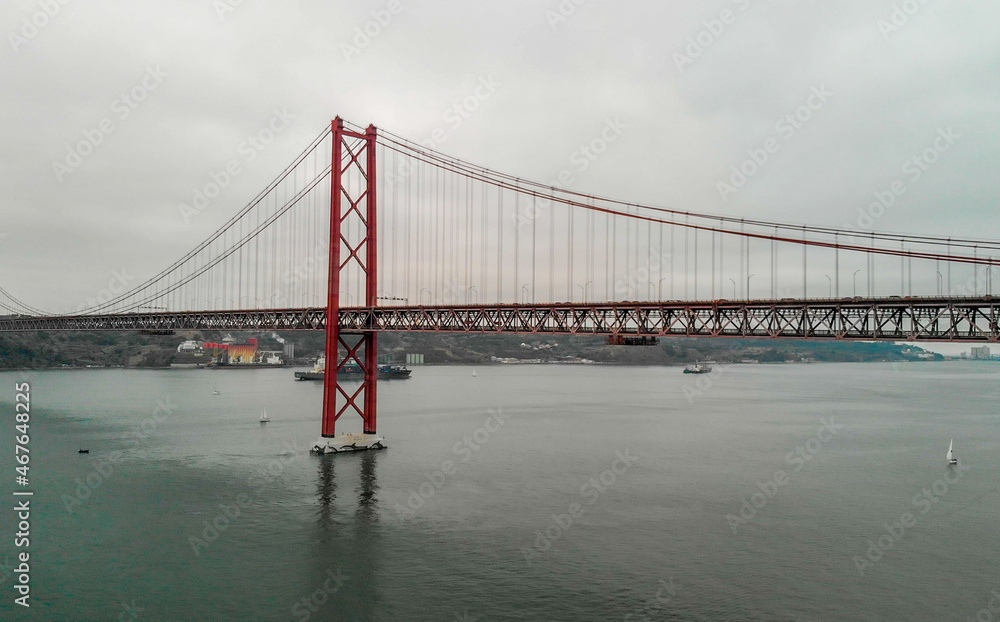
[951, 453]
[263, 417]
[473, 372]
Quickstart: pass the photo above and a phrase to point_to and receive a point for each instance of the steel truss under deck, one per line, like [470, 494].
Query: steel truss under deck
[885, 319]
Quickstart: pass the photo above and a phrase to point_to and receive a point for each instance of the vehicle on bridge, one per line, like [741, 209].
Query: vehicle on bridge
[621, 340]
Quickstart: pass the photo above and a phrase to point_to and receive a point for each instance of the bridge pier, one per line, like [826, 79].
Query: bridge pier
[356, 205]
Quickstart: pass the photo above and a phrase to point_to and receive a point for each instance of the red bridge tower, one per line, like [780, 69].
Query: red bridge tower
[353, 208]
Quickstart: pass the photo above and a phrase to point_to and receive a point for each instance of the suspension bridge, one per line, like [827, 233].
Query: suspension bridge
[385, 234]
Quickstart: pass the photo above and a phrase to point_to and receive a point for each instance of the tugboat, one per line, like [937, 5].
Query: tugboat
[385, 372]
[697, 368]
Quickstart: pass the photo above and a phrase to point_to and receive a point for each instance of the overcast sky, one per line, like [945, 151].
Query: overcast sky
[697, 84]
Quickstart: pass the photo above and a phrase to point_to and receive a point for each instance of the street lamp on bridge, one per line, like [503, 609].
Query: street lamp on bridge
[830, 291]
[734, 288]
[748, 284]
[471, 289]
[856, 283]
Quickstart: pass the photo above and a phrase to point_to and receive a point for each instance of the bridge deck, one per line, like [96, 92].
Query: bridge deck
[889, 319]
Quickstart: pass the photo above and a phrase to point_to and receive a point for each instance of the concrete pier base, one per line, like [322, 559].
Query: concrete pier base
[347, 442]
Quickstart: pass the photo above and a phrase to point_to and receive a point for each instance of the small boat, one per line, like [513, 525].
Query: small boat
[473, 373]
[951, 454]
[263, 417]
[216, 392]
[697, 368]
[84, 451]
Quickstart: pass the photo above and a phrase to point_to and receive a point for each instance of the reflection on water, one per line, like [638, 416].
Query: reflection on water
[367, 490]
[459, 550]
[326, 488]
[348, 539]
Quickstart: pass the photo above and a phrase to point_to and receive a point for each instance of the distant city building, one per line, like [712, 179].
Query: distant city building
[980, 353]
[233, 354]
[190, 354]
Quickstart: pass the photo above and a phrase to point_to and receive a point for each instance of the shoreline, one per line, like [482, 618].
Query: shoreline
[564, 364]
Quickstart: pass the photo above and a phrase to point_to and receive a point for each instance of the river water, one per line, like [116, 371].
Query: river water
[759, 492]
